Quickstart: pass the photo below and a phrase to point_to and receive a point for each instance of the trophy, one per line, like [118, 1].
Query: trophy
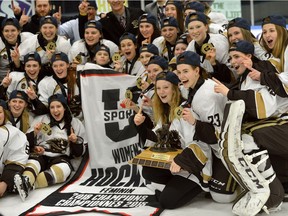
[161, 154]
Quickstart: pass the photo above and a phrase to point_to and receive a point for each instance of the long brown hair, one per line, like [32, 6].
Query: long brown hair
[165, 112]
[280, 45]
[247, 36]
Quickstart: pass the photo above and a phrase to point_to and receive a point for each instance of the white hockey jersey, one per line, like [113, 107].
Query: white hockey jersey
[186, 132]
[32, 45]
[221, 45]
[79, 48]
[4, 61]
[14, 147]
[49, 86]
[19, 82]
[268, 104]
[56, 141]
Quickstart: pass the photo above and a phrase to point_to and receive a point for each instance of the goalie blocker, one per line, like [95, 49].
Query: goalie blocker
[252, 169]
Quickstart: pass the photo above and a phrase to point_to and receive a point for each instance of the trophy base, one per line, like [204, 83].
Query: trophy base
[157, 159]
[163, 150]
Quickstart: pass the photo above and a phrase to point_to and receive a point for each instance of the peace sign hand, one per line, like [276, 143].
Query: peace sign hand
[24, 18]
[16, 9]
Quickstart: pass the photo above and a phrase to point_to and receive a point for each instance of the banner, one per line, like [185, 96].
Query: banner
[6, 10]
[230, 8]
[108, 183]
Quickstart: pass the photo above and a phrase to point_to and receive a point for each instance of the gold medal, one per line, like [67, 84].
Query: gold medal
[116, 57]
[128, 94]
[45, 129]
[78, 58]
[206, 47]
[178, 112]
[139, 82]
[51, 46]
[23, 86]
[135, 23]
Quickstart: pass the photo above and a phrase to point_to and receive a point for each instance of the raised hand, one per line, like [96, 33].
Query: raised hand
[58, 15]
[211, 56]
[24, 18]
[37, 128]
[31, 92]
[7, 80]
[139, 117]
[83, 8]
[188, 116]
[72, 137]
[220, 87]
[15, 56]
[144, 85]
[49, 53]
[118, 65]
[254, 74]
[146, 41]
[247, 62]
[74, 63]
[16, 9]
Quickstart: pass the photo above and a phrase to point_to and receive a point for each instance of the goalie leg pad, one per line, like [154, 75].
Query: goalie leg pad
[256, 187]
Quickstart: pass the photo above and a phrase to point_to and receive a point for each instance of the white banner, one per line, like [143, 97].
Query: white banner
[108, 184]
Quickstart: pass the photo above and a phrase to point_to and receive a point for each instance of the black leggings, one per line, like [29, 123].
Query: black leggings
[178, 190]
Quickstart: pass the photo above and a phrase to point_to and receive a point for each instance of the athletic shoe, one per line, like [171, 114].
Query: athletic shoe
[23, 185]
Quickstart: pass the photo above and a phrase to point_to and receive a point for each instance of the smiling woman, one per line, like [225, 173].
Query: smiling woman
[62, 81]
[181, 179]
[12, 38]
[52, 148]
[26, 81]
[46, 43]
